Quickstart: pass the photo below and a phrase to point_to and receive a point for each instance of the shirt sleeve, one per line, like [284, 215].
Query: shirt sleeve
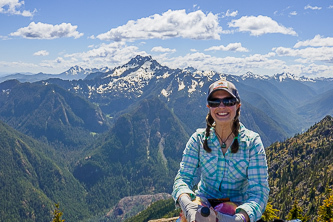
[258, 189]
[188, 168]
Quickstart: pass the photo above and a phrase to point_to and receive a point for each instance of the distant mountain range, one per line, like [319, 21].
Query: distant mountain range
[121, 132]
[280, 101]
[74, 72]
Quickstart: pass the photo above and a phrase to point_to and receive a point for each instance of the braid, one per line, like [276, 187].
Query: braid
[235, 130]
[209, 121]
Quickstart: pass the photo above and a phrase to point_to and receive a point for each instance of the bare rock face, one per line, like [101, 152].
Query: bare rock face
[130, 206]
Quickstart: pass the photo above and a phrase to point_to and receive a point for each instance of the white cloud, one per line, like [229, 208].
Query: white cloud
[229, 65]
[47, 31]
[41, 53]
[12, 7]
[171, 24]
[260, 25]
[310, 54]
[231, 14]
[312, 7]
[236, 47]
[293, 13]
[161, 49]
[317, 41]
[110, 55]
[330, 7]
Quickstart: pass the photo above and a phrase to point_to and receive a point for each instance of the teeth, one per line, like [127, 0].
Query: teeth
[222, 114]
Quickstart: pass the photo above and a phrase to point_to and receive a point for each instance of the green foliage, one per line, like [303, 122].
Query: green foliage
[296, 212]
[325, 212]
[300, 168]
[31, 180]
[51, 113]
[270, 213]
[140, 155]
[57, 214]
[159, 209]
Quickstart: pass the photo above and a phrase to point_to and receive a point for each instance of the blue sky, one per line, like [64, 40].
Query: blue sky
[233, 37]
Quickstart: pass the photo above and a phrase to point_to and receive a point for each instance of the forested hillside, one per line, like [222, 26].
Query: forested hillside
[301, 168]
[139, 155]
[32, 180]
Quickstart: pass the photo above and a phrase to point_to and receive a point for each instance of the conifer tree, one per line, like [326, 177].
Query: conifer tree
[57, 214]
[295, 212]
[325, 212]
[270, 213]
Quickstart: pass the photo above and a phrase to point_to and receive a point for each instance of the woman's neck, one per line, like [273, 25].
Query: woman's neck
[223, 131]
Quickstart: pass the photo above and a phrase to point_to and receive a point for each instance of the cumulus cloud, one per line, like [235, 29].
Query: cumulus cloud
[317, 41]
[307, 55]
[112, 54]
[12, 7]
[161, 49]
[41, 53]
[236, 47]
[260, 25]
[312, 7]
[230, 65]
[171, 24]
[231, 14]
[47, 31]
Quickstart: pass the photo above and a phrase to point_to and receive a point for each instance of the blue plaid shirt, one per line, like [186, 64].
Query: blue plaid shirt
[240, 176]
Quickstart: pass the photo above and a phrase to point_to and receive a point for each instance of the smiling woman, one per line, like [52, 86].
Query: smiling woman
[232, 160]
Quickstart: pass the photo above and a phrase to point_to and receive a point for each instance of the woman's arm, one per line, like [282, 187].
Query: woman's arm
[188, 167]
[258, 189]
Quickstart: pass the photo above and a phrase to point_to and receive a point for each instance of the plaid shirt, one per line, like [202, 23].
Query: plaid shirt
[240, 176]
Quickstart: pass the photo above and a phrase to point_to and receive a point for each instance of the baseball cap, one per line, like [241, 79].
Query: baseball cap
[223, 85]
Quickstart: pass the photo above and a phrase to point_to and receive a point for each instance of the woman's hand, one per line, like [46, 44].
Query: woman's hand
[189, 208]
[227, 218]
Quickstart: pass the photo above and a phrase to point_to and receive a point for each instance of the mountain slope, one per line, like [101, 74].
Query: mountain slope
[140, 155]
[49, 112]
[30, 182]
[301, 167]
[184, 91]
[318, 107]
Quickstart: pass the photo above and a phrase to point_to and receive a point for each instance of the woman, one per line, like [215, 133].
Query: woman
[232, 160]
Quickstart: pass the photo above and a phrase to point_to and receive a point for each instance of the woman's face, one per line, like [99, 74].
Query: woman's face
[223, 114]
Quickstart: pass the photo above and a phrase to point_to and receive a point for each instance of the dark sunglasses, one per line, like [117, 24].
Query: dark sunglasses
[215, 102]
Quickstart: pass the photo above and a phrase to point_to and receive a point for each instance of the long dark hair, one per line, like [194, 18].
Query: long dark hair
[235, 131]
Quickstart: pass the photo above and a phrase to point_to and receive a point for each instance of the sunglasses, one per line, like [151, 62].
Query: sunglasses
[215, 102]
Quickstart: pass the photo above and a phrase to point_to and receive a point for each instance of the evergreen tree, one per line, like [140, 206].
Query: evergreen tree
[57, 214]
[270, 213]
[325, 211]
[295, 212]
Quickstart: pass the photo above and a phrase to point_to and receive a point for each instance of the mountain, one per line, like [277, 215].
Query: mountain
[50, 112]
[278, 97]
[31, 181]
[139, 155]
[26, 77]
[73, 73]
[130, 206]
[318, 106]
[76, 72]
[301, 168]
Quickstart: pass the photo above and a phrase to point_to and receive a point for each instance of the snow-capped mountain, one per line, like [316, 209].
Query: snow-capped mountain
[77, 72]
[275, 99]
